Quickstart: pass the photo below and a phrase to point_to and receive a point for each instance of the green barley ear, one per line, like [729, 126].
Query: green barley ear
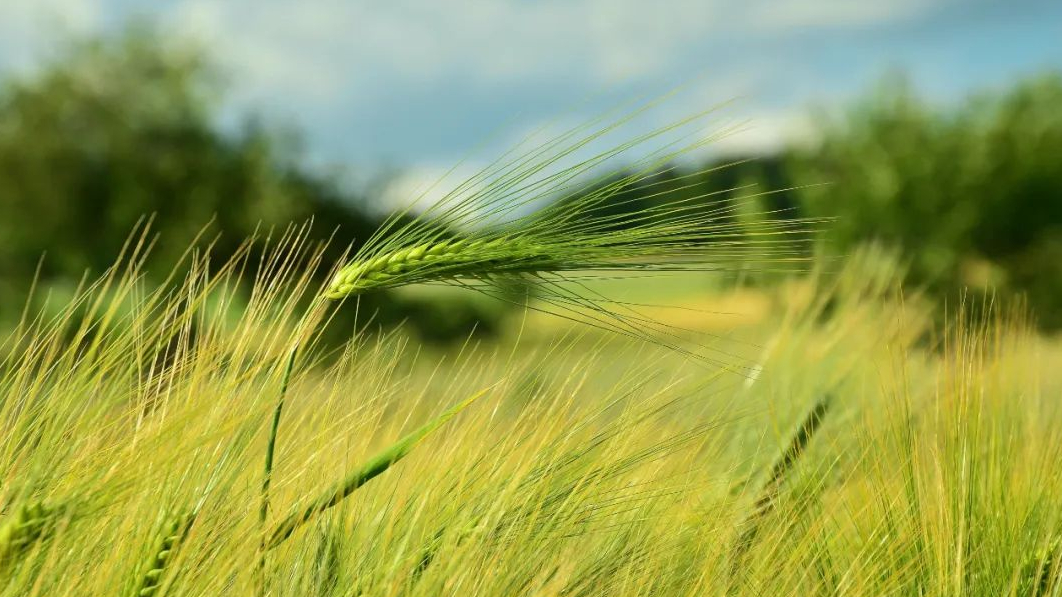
[30, 524]
[1042, 571]
[362, 475]
[173, 534]
[327, 566]
[544, 212]
[552, 225]
[779, 471]
[442, 260]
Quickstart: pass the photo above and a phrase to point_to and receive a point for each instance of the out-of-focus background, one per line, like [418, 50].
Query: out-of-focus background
[936, 123]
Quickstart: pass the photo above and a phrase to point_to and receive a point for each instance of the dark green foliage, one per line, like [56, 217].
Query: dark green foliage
[114, 131]
[973, 194]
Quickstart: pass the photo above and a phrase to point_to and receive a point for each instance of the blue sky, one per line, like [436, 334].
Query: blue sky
[417, 85]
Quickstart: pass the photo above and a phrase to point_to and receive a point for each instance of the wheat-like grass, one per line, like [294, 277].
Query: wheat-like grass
[362, 475]
[765, 501]
[1041, 572]
[498, 506]
[32, 522]
[173, 533]
[534, 216]
[543, 215]
[441, 260]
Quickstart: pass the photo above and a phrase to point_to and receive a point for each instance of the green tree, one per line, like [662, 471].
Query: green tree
[117, 129]
[972, 195]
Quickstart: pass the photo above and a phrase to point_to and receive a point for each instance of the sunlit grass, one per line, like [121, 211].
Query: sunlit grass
[594, 464]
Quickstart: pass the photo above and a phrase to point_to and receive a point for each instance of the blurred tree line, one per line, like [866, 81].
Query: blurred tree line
[972, 194]
[114, 130]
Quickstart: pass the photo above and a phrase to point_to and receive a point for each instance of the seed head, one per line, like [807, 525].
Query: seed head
[446, 259]
[173, 533]
[22, 530]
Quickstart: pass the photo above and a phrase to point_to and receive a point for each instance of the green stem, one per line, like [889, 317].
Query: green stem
[362, 475]
[271, 445]
[765, 502]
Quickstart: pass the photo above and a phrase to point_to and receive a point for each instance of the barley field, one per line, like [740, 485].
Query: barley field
[838, 441]
[530, 299]
[648, 422]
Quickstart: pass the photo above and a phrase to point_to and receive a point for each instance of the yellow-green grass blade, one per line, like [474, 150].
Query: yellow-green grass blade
[362, 475]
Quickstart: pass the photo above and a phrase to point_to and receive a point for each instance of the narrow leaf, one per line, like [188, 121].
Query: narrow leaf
[375, 466]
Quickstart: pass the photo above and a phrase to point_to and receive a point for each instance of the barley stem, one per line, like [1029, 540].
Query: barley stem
[781, 468]
[374, 467]
[267, 477]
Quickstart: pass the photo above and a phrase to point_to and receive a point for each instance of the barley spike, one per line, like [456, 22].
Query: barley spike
[446, 259]
[173, 533]
[21, 531]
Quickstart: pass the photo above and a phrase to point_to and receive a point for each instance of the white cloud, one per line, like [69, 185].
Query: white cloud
[315, 49]
[833, 14]
[321, 61]
[765, 132]
[350, 54]
[425, 185]
[272, 53]
[27, 26]
[335, 51]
